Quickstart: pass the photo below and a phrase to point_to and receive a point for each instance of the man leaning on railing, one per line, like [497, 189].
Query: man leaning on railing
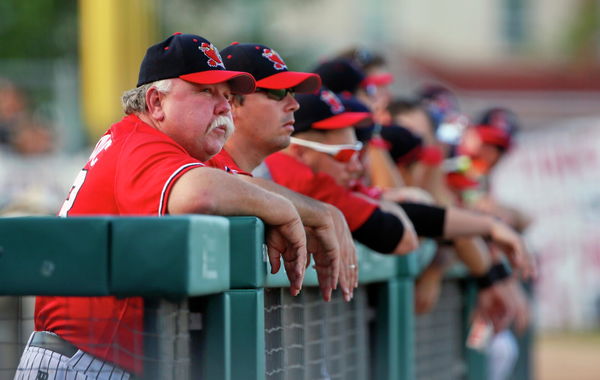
[150, 163]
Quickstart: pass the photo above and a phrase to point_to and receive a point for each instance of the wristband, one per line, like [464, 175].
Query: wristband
[497, 273]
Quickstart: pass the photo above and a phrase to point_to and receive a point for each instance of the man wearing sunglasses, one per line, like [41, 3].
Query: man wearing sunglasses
[264, 122]
[341, 153]
[323, 128]
[322, 159]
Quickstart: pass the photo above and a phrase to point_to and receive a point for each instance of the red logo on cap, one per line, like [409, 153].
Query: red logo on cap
[211, 52]
[272, 56]
[332, 101]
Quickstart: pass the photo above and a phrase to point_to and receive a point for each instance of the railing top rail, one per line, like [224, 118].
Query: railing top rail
[185, 255]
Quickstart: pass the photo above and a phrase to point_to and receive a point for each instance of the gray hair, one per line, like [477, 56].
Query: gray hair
[134, 100]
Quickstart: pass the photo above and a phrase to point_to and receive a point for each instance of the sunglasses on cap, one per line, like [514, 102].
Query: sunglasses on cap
[276, 94]
[340, 153]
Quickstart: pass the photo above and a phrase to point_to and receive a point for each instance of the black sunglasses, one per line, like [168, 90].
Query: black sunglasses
[276, 94]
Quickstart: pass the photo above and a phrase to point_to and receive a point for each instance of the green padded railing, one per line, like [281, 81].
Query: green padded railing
[222, 261]
[53, 256]
[395, 319]
[171, 256]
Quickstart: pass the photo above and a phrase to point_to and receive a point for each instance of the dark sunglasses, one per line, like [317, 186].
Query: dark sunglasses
[276, 94]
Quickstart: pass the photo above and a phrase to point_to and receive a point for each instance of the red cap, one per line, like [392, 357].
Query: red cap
[460, 181]
[342, 120]
[324, 110]
[381, 79]
[193, 59]
[299, 81]
[432, 155]
[240, 82]
[268, 67]
[493, 136]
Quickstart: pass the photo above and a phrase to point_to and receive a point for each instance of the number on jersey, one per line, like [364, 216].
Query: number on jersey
[79, 180]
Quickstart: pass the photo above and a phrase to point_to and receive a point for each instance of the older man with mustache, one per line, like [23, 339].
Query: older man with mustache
[150, 163]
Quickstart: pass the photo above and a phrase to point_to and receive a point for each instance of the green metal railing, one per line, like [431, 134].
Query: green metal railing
[206, 278]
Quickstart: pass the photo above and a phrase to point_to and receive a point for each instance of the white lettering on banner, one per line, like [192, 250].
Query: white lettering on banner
[79, 180]
[101, 146]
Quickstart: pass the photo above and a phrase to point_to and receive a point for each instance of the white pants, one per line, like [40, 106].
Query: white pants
[43, 364]
[503, 353]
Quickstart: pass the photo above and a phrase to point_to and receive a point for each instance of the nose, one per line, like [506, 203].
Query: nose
[223, 106]
[355, 166]
[292, 104]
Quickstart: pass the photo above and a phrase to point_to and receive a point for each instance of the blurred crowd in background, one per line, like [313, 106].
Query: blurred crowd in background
[33, 172]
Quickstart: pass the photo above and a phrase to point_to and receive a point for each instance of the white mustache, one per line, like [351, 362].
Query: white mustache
[223, 121]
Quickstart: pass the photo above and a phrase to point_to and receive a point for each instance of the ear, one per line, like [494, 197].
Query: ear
[236, 103]
[154, 104]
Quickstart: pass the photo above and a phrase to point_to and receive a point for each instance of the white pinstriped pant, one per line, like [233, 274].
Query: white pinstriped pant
[43, 364]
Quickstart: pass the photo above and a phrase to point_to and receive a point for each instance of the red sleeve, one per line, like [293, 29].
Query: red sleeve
[370, 191]
[146, 172]
[289, 172]
[432, 155]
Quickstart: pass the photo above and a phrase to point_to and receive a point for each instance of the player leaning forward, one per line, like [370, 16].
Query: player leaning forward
[150, 163]
[264, 122]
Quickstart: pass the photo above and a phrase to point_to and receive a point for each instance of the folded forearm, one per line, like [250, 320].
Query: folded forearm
[312, 212]
[409, 241]
[211, 191]
[428, 220]
[461, 222]
[474, 253]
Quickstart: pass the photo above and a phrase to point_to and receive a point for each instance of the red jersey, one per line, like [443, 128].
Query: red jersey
[224, 161]
[293, 174]
[130, 172]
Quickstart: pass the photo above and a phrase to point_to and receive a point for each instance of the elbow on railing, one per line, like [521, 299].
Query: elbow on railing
[408, 243]
[198, 204]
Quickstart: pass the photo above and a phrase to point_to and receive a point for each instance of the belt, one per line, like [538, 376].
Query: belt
[49, 341]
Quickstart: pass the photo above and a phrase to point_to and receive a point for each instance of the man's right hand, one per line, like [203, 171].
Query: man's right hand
[323, 245]
[348, 268]
[288, 240]
[512, 244]
[322, 238]
[495, 305]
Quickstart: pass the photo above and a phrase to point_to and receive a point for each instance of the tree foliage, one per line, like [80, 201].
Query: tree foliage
[38, 28]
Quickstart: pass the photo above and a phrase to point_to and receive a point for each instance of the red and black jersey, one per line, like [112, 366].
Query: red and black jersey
[293, 174]
[224, 161]
[130, 172]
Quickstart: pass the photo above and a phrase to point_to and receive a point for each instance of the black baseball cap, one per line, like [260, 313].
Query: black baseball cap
[193, 59]
[405, 146]
[268, 68]
[364, 129]
[324, 110]
[340, 75]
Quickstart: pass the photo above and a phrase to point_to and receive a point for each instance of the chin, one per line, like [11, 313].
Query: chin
[211, 151]
[276, 144]
[282, 144]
